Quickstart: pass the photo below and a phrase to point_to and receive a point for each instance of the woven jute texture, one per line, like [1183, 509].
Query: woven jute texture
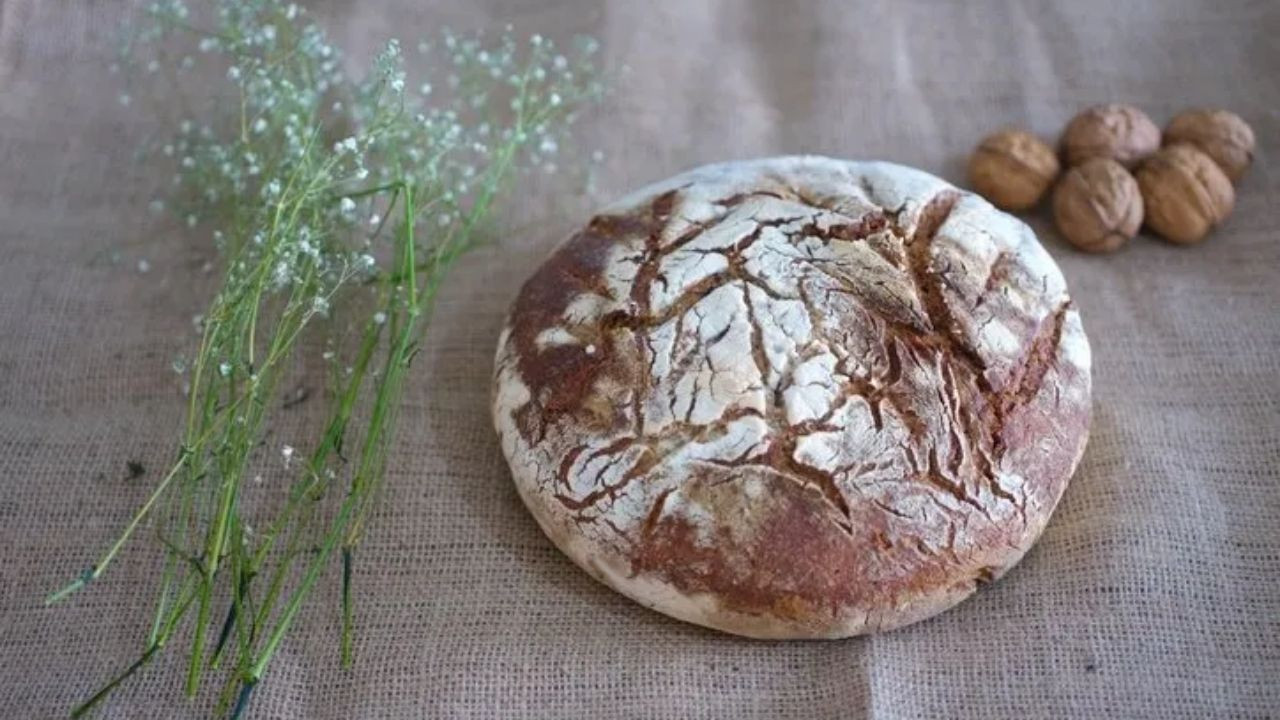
[1154, 593]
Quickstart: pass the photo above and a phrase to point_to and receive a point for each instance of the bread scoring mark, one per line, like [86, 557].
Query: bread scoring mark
[940, 333]
[733, 299]
[928, 279]
[1029, 377]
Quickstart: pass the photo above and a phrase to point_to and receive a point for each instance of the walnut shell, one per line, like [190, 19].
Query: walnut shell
[1097, 205]
[1185, 192]
[1220, 134]
[1120, 132]
[1013, 169]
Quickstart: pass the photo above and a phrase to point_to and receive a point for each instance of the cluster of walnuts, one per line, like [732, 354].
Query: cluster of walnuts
[1121, 171]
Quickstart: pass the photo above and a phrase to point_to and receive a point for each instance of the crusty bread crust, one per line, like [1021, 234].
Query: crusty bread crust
[795, 397]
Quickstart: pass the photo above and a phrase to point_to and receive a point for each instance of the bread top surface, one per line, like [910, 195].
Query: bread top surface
[795, 397]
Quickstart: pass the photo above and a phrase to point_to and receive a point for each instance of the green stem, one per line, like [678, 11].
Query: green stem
[346, 607]
[100, 567]
[295, 601]
[137, 665]
[153, 647]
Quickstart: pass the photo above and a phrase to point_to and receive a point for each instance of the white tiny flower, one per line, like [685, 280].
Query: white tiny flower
[180, 365]
[287, 452]
[560, 62]
[260, 125]
[397, 84]
[320, 304]
[144, 266]
[273, 187]
[269, 33]
[156, 206]
[548, 146]
[554, 99]
[597, 156]
[257, 479]
[327, 355]
[337, 106]
[280, 277]
[379, 318]
[185, 127]
[233, 73]
[191, 221]
[362, 173]
[444, 219]
[224, 369]
[291, 12]
[168, 151]
[188, 162]
[367, 262]
[425, 89]
[374, 219]
[347, 206]
[591, 349]
[208, 44]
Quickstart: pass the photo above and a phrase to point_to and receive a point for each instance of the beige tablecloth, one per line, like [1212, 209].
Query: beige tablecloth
[1155, 591]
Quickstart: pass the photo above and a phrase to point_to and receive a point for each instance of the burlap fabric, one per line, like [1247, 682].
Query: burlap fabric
[1155, 591]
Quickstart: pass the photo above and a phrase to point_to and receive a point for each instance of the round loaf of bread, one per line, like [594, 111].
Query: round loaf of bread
[795, 397]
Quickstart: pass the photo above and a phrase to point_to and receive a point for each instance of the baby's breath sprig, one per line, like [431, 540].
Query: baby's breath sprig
[316, 190]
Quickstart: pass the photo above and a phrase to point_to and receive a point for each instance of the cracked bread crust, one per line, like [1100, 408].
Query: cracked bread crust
[795, 397]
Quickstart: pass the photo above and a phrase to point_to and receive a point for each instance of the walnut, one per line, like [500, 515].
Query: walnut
[1220, 134]
[1013, 169]
[1121, 132]
[1185, 192]
[1097, 205]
